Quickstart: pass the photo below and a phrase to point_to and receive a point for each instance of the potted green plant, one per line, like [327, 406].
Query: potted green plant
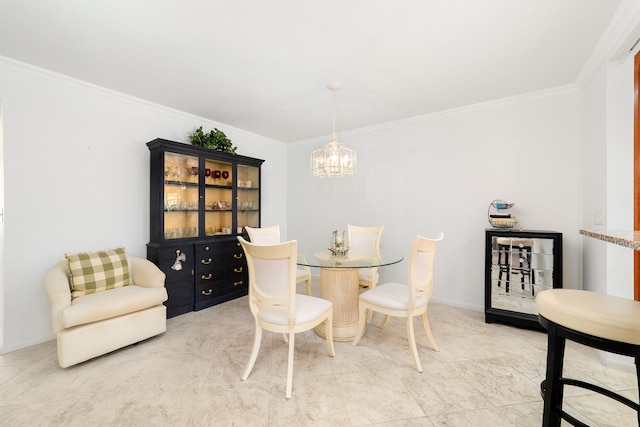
[215, 139]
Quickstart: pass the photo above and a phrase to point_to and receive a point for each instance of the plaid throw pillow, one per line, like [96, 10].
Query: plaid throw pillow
[93, 272]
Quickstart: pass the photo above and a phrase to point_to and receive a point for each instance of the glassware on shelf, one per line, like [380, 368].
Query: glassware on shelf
[207, 173]
[217, 174]
[225, 176]
[176, 172]
[194, 172]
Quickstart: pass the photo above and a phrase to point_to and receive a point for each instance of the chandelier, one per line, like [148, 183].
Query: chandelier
[333, 159]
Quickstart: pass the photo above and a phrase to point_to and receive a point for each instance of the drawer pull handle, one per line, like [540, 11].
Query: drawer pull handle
[238, 256]
[206, 262]
[238, 270]
[206, 248]
[207, 277]
[238, 283]
[207, 293]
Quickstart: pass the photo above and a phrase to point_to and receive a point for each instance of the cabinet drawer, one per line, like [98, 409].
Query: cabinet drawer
[228, 272]
[226, 261]
[218, 248]
[219, 254]
[220, 287]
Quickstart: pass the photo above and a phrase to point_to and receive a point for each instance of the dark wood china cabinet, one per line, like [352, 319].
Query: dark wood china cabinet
[200, 200]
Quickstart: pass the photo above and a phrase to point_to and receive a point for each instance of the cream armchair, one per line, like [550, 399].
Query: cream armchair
[95, 324]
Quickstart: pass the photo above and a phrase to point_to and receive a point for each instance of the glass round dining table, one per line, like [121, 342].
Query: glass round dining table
[339, 283]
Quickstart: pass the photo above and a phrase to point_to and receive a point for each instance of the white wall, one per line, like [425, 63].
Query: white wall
[440, 172]
[608, 176]
[608, 181]
[620, 166]
[77, 178]
[595, 182]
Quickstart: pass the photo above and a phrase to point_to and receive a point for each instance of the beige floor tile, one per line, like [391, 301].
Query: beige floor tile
[483, 375]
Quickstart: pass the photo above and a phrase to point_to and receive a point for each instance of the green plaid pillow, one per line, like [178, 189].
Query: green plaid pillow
[93, 272]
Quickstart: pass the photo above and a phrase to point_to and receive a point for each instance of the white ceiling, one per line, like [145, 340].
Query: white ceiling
[263, 66]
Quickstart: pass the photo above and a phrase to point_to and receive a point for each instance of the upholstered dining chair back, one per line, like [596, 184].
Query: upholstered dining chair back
[265, 235]
[272, 275]
[364, 240]
[421, 267]
[271, 236]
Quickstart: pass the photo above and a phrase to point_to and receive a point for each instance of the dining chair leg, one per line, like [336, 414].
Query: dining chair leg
[329, 333]
[425, 323]
[292, 338]
[257, 338]
[361, 324]
[385, 320]
[412, 342]
[308, 284]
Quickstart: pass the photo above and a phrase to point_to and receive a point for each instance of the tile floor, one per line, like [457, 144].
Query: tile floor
[484, 375]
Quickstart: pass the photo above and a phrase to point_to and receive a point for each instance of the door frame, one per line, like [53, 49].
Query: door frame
[636, 173]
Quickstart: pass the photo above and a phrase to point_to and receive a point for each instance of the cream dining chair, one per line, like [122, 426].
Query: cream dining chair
[400, 300]
[274, 303]
[365, 240]
[271, 236]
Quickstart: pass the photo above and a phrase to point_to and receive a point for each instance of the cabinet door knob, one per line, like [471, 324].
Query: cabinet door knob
[206, 262]
[238, 256]
[238, 270]
[207, 277]
[238, 283]
[207, 293]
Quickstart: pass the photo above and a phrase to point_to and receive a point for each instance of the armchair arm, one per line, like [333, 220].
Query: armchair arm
[145, 273]
[56, 283]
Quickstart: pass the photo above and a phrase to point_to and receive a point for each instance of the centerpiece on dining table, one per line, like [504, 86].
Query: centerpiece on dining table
[337, 244]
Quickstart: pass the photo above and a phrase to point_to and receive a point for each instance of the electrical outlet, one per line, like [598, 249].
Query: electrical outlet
[597, 217]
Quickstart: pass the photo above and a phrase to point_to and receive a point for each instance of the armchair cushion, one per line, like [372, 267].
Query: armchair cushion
[93, 272]
[116, 302]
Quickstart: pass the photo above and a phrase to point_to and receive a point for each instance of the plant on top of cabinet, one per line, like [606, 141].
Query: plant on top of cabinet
[215, 139]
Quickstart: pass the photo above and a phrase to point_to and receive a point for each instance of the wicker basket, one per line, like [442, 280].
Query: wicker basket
[500, 220]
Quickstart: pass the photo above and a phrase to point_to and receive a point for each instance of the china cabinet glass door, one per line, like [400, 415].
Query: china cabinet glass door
[248, 197]
[218, 197]
[180, 196]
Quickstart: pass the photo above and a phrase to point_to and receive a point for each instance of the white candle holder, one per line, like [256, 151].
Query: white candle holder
[337, 244]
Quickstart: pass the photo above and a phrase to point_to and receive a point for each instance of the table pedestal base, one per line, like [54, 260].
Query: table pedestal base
[341, 287]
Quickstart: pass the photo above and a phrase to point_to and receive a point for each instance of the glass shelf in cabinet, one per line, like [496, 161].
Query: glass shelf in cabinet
[224, 187]
[181, 183]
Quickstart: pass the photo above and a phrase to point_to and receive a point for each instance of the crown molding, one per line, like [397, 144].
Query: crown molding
[517, 99]
[64, 79]
[618, 40]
